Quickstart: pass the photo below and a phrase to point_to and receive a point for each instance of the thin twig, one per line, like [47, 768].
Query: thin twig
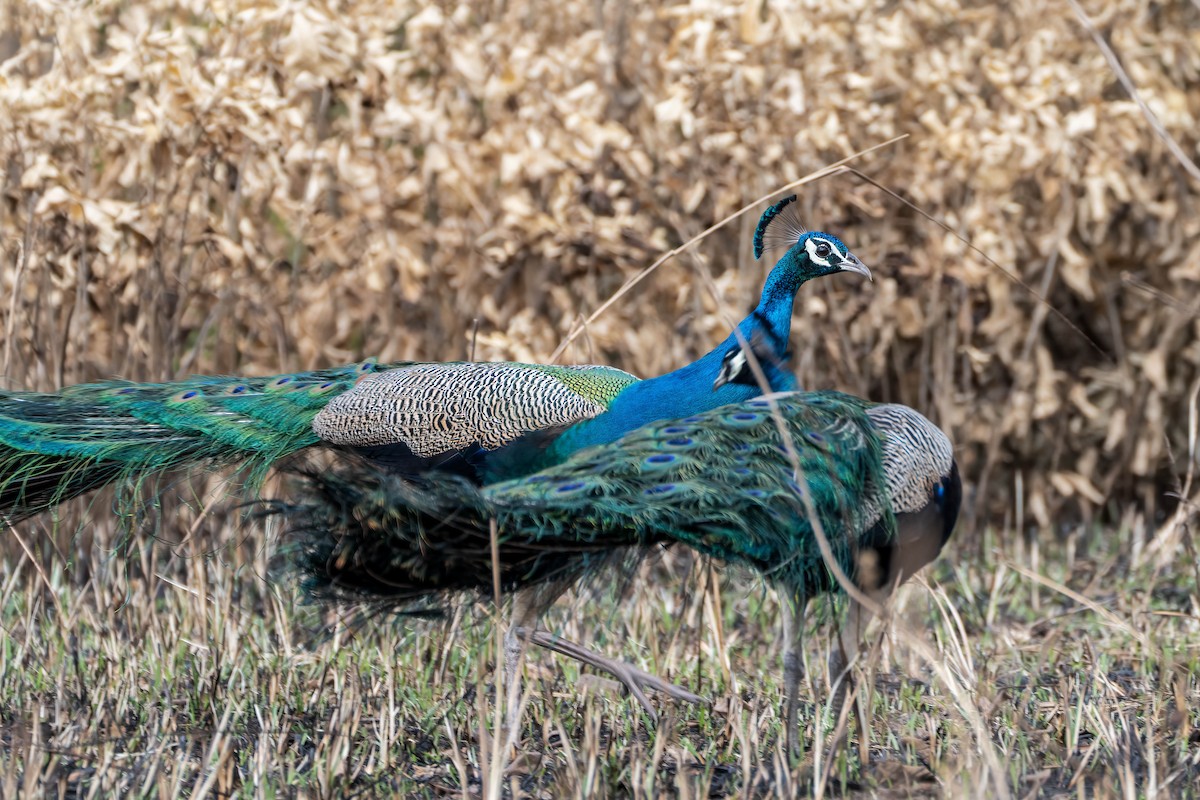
[498, 754]
[1127, 82]
[824, 172]
[1007, 273]
[37, 566]
[22, 263]
[1108, 616]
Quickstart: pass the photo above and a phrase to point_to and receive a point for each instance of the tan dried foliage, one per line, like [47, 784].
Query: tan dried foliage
[260, 187]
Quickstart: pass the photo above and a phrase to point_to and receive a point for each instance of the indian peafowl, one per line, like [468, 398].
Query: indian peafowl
[484, 421]
[488, 421]
[417, 416]
[757, 483]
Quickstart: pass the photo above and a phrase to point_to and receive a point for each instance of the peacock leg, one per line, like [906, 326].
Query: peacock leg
[793, 665]
[634, 679]
[851, 634]
[529, 604]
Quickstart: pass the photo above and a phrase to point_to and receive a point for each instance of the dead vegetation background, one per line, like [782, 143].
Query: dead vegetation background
[250, 187]
[256, 187]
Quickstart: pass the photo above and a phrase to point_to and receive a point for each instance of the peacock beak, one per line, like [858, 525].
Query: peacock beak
[852, 264]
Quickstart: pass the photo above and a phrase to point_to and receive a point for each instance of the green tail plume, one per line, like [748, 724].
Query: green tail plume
[722, 482]
[58, 445]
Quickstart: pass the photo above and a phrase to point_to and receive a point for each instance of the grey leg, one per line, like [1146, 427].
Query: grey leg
[850, 635]
[528, 606]
[793, 665]
[634, 679]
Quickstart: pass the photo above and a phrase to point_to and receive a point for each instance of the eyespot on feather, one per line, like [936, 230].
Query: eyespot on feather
[742, 419]
[659, 461]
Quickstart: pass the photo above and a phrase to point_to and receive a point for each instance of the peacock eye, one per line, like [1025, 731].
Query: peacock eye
[823, 250]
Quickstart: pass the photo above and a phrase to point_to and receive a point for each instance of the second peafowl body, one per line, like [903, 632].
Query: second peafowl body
[813, 491]
[755, 483]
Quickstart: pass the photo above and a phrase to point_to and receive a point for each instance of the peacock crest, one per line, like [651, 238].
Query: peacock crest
[778, 227]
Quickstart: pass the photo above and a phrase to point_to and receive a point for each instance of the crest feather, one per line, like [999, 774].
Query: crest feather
[779, 226]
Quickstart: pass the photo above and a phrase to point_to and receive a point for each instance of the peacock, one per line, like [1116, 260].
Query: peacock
[416, 417]
[759, 483]
[488, 421]
[481, 422]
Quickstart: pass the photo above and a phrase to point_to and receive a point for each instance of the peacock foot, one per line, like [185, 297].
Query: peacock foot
[634, 679]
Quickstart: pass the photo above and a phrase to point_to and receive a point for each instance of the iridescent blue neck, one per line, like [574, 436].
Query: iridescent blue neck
[685, 391]
[779, 296]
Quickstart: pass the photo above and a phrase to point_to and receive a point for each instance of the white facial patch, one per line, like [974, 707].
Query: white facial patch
[735, 362]
[732, 365]
[812, 246]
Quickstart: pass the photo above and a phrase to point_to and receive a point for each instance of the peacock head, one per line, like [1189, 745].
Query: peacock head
[810, 254]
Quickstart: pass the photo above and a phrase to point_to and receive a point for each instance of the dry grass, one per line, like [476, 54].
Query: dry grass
[250, 187]
[191, 670]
